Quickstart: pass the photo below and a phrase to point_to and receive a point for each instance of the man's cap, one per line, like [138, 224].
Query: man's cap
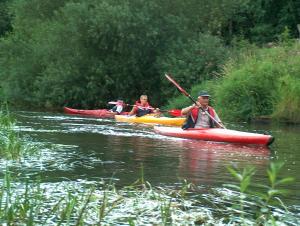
[203, 94]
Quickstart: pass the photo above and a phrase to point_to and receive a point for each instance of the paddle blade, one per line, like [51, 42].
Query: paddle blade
[178, 86]
[175, 112]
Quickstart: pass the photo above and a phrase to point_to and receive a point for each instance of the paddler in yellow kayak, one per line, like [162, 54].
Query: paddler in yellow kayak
[142, 107]
[201, 115]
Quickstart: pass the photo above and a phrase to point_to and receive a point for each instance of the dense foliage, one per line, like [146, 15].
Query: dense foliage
[261, 82]
[84, 53]
[266, 83]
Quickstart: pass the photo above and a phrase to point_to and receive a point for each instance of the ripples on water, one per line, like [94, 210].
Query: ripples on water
[78, 148]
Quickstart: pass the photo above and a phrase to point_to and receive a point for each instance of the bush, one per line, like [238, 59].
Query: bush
[258, 84]
[288, 105]
[249, 91]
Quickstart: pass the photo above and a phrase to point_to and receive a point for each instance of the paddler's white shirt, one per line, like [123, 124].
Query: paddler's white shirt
[119, 109]
[203, 119]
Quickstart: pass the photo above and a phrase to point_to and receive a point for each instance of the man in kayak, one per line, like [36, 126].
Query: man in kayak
[118, 108]
[201, 115]
[142, 107]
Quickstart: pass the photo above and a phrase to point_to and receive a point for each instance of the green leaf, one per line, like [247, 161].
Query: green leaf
[285, 180]
[272, 177]
[274, 192]
[235, 187]
[235, 173]
[245, 183]
[260, 195]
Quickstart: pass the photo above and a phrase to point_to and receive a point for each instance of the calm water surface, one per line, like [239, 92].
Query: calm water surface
[78, 148]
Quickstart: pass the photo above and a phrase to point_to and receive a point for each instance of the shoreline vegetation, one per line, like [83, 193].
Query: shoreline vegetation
[82, 54]
[263, 84]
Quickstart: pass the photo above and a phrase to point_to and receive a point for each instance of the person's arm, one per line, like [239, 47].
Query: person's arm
[219, 124]
[154, 110]
[112, 111]
[133, 111]
[187, 110]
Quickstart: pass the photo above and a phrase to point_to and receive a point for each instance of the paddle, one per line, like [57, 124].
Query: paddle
[173, 112]
[191, 98]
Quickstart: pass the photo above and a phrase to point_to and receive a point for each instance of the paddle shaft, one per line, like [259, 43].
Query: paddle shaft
[191, 98]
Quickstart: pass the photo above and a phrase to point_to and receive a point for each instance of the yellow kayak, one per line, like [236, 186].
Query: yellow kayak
[150, 119]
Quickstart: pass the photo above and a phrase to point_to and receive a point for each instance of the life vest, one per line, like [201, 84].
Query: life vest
[141, 110]
[193, 116]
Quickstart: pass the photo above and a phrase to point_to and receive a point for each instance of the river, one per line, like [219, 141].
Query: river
[81, 148]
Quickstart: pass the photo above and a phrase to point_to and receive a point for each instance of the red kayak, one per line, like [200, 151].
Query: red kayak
[99, 113]
[216, 134]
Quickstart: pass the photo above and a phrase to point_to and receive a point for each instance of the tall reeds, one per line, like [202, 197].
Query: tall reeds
[12, 146]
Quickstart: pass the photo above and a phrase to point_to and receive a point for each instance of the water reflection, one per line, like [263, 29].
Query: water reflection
[166, 160]
[205, 162]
